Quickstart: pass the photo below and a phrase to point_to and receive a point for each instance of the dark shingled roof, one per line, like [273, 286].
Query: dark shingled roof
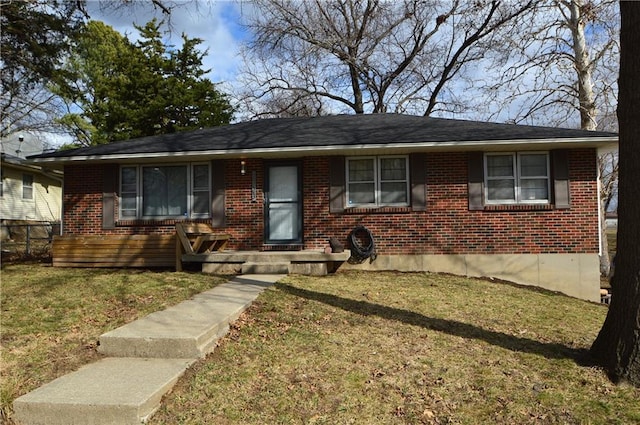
[326, 131]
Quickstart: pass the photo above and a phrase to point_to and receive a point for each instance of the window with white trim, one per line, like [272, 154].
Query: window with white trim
[165, 191]
[377, 181]
[520, 178]
[27, 186]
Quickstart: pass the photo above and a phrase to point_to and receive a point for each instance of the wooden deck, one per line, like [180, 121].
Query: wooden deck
[199, 246]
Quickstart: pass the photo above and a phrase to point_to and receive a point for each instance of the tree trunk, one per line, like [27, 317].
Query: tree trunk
[587, 103]
[617, 347]
[583, 64]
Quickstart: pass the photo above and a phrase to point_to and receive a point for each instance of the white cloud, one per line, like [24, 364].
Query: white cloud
[215, 22]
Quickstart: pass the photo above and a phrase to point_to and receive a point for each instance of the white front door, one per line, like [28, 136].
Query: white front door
[283, 221]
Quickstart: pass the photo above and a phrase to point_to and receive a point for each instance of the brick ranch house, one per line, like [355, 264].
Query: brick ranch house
[512, 202]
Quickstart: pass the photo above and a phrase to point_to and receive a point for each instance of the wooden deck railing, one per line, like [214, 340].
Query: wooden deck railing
[137, 250]
[114, 251]
[195, 238]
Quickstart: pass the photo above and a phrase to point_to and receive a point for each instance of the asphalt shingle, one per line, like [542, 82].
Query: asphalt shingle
[334, 130]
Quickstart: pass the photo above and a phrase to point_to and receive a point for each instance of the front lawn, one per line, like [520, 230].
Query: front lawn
[392, 348]
[362, 348]
[52, 318]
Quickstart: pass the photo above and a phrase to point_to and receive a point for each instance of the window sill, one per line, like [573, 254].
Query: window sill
[377, 210]
[519, 207]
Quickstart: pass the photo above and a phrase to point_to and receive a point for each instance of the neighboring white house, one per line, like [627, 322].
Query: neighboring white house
[29, 192]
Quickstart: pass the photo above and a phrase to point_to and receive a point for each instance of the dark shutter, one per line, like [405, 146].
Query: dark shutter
[109, 189]
[217, 193]
[418, 166]
[336, 184]
[476, 180]
[560, 168]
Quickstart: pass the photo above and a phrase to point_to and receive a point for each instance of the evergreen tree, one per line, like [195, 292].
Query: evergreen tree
[125, 90]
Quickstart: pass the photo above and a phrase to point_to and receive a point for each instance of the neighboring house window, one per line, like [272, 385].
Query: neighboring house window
[517, 178]
[165, 191]
[27, 186]
[377, 181]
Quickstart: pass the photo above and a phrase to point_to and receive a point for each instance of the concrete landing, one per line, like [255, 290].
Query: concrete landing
[146, 359]
[313, 262]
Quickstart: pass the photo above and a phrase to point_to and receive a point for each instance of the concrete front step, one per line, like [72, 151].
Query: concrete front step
[239, 257]
[251, 267]
[238, 262]
[110, 391]
[188, 330]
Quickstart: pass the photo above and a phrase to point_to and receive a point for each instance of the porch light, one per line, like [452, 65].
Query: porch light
[243, 170]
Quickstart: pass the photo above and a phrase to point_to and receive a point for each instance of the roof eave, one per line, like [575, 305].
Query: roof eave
[24, 165]
[473, 145]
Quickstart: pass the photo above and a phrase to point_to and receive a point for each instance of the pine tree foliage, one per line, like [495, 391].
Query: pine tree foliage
[121, 90]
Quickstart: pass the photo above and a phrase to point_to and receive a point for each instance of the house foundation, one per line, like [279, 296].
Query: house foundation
[576, 275]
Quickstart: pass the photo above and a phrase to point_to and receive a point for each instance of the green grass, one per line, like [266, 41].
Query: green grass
[390, 348]
[52, 318]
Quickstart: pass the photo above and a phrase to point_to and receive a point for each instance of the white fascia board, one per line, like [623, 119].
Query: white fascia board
[338, 149]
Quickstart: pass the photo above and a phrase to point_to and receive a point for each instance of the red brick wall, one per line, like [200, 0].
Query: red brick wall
[446, 227]
[244, 217]
[82, 200]
[82, 206]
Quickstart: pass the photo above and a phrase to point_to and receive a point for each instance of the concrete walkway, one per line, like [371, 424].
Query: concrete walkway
[145, 359]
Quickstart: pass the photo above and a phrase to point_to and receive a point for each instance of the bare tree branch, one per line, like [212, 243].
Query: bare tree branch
[369, 55]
